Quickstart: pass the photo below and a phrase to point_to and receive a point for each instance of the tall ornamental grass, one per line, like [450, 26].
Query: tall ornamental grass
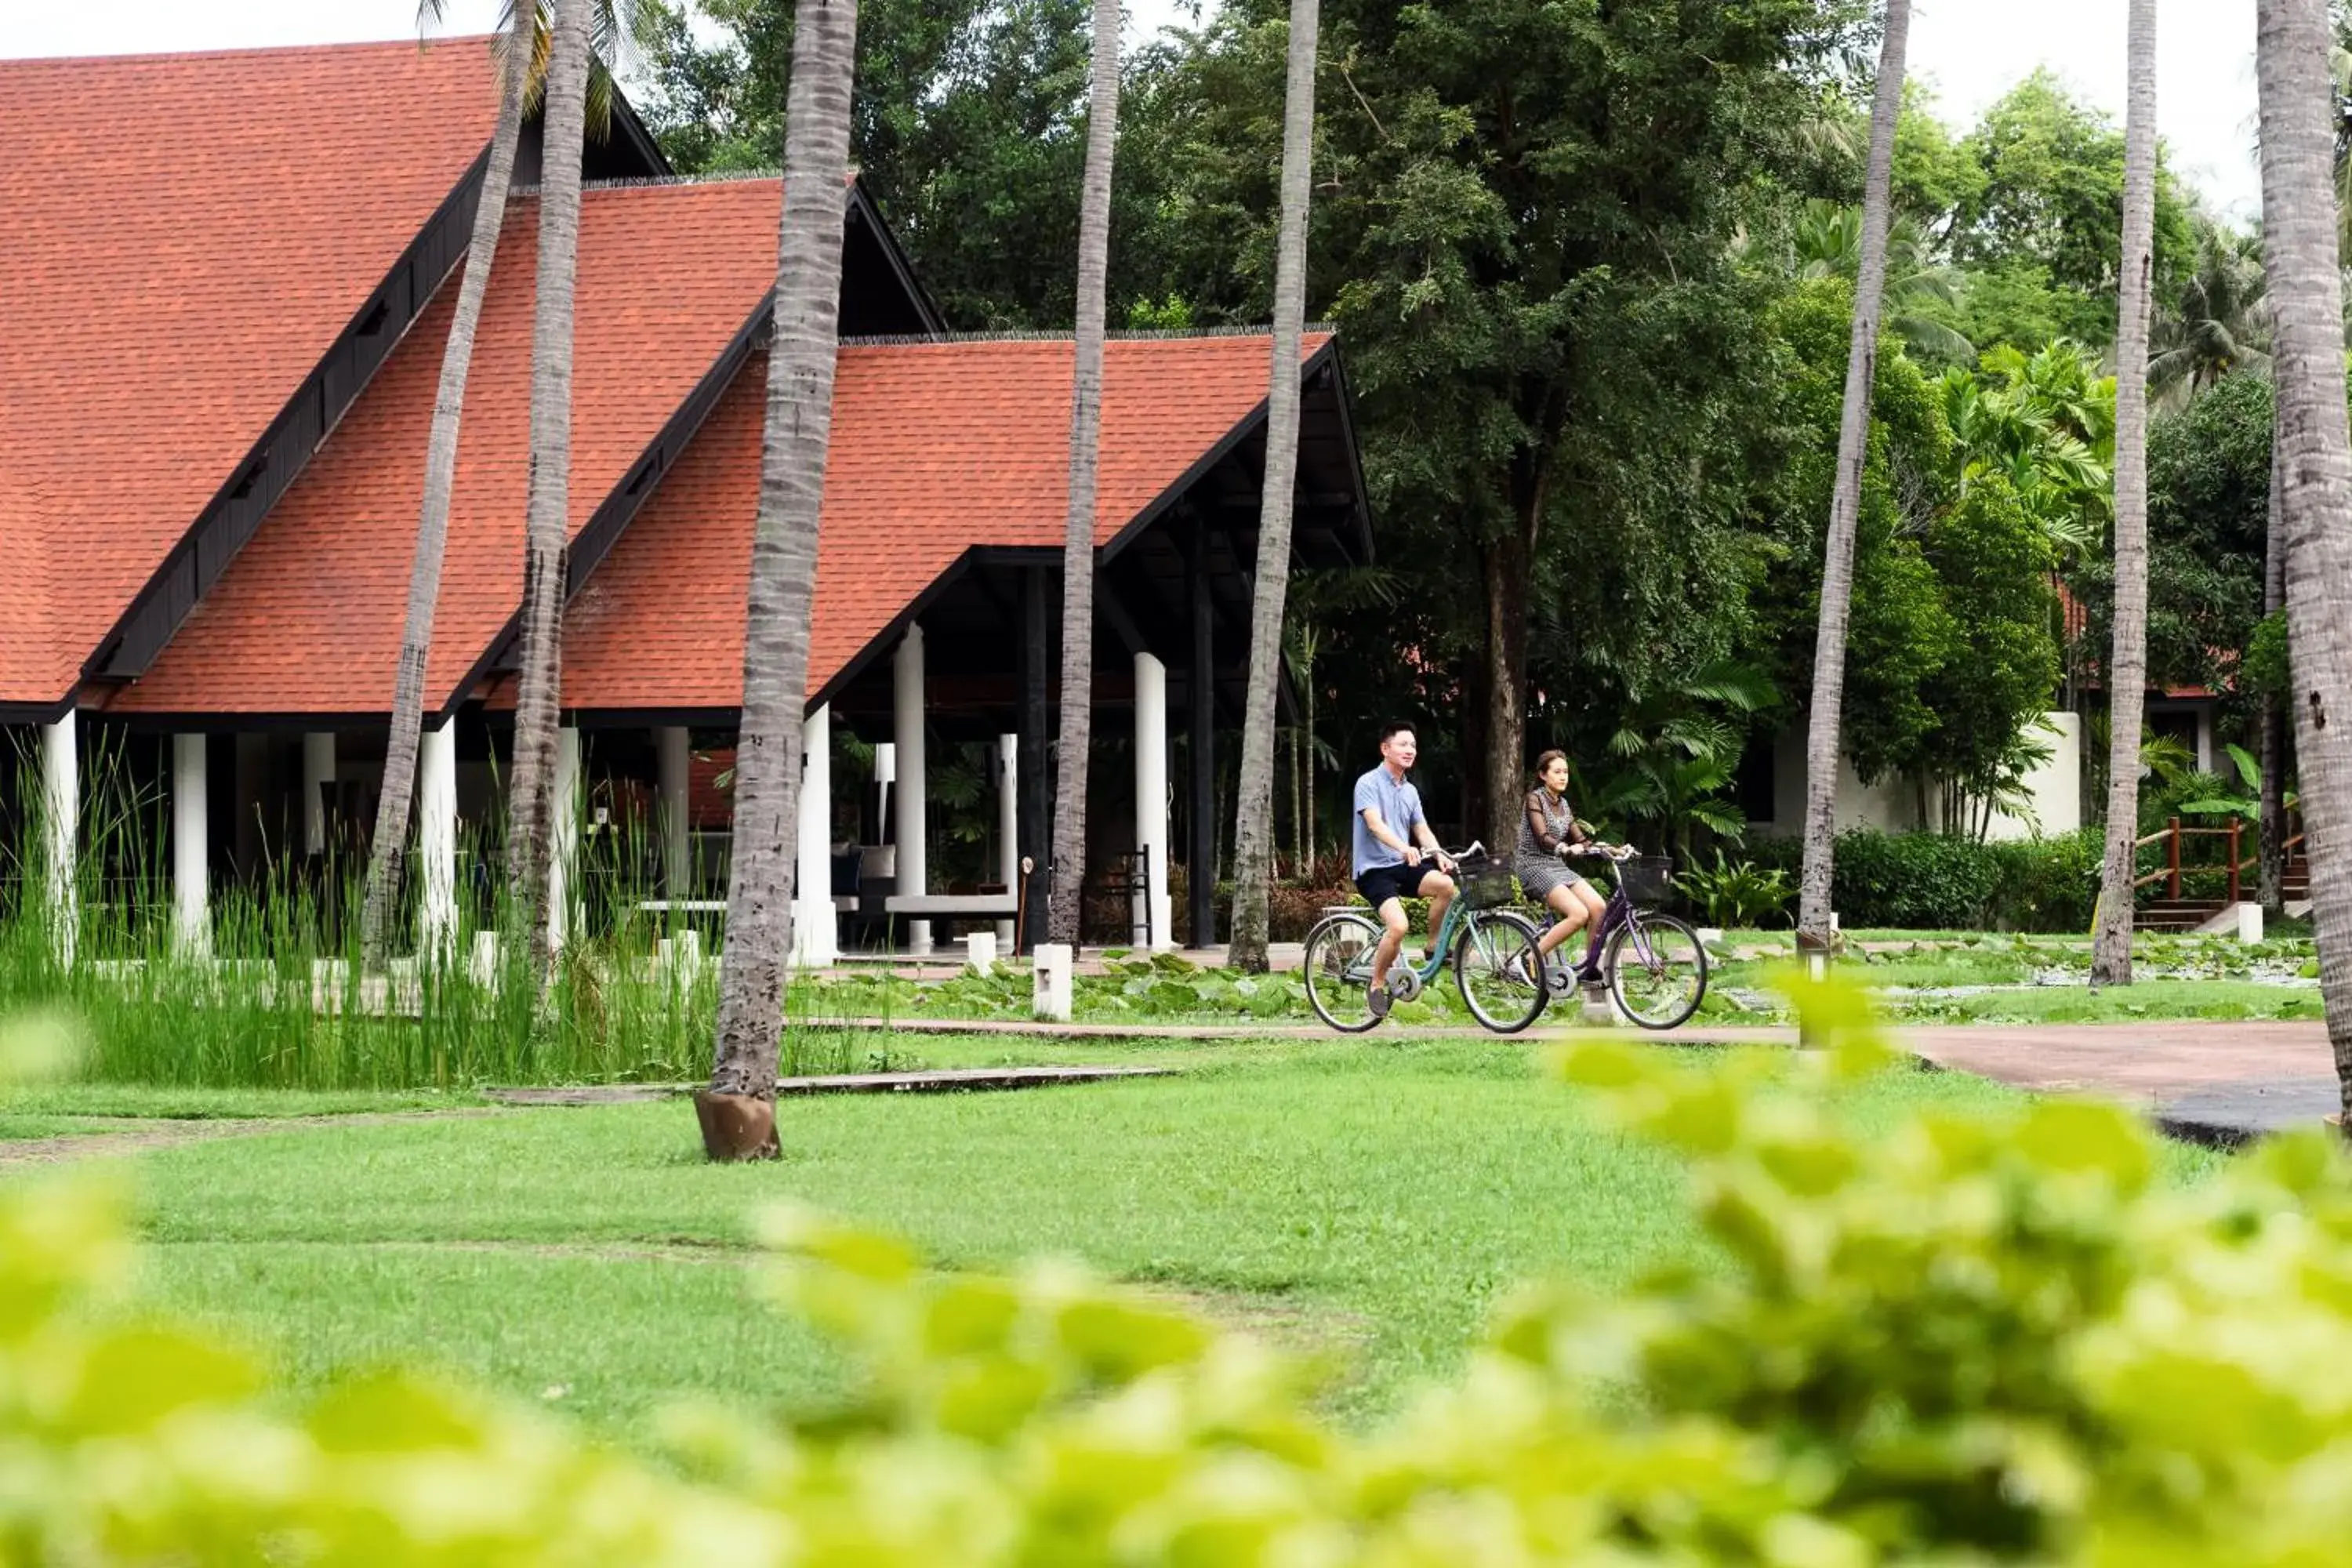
[275, 996]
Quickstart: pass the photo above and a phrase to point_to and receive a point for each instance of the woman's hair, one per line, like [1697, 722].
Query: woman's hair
[1547, 760]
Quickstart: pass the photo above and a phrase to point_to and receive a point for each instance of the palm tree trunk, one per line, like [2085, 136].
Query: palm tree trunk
[1821, 747]
[389, 854]
[546, 517]
[1253, 821]
[2316, 457]
[2273, 714]
[738, 1111]
[1066, 902]
[2111, 954]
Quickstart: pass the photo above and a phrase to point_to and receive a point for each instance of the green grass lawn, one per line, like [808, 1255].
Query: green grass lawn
[1369, 1202]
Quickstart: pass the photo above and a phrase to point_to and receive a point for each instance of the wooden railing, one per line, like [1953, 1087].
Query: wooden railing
[2237, 864]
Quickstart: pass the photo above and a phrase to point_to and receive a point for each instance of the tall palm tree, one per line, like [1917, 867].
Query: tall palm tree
[738, 1111]
[1254, 829]
[1829, 245]
[1067, 884]
[2219, 326]
[2126, 674]
[1822, 748]
[2273, 715]
[547, 508]
[389, 853]
[614, 27]
[2299, 246]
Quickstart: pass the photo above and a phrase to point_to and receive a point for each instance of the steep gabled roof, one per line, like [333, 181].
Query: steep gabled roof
[937, 450]
[188, 236]
[308, 619]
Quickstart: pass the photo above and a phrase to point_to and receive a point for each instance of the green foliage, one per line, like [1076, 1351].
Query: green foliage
[968, 125]
[1993, 1342]
[1742, 895]
[2208, 473]
[1943, 881]
[2051, 198]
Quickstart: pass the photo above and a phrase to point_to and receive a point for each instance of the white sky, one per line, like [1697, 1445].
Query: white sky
[1971, 51]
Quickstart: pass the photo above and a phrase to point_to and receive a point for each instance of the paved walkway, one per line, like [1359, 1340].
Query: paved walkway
[2217, 1082]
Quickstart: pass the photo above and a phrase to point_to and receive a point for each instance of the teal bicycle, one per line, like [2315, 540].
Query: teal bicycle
[1491, 948]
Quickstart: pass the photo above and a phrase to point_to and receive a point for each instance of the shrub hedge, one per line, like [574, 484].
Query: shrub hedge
[1937, 881]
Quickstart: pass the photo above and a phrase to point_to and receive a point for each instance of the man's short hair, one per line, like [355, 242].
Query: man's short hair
[1396, 727]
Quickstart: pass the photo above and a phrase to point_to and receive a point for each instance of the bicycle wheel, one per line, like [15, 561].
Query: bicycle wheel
[1498, 971]
[1656, 972]
[1338, 971]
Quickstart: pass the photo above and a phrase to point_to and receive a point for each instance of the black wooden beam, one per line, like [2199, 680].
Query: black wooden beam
[1200, 863]
[1033, 808]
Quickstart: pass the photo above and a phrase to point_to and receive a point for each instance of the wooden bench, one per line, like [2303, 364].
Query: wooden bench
[974, 906]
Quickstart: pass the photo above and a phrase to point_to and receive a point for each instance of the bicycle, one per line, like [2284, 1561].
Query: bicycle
[1653, 965]
[1491, 948]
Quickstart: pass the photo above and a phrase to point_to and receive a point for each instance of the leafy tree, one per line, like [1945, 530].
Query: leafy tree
[1522, 223]
[1829, 244]
[2053, 196]
[2215, 326]
[968, 127]
[2207, 514]
[1992, 562]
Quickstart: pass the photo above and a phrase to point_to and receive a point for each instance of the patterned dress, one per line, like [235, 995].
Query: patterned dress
[1546, 824]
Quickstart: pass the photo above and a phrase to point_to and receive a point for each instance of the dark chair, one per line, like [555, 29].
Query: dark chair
[1129, 874]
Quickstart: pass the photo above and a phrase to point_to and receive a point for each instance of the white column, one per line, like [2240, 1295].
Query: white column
[813, 938]
[318, 775]
[1008, 826]
[563, 840]
[1151, 793]
[906, 736]
[437, 842]
[61, 831]
[191, 846]
[672, 759]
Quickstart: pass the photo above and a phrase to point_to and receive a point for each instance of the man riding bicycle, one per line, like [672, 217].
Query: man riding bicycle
[1396, 854]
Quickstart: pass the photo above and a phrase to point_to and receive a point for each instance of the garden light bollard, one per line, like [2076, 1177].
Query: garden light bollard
[2250, 922]
[979, 953]
[1050, 983]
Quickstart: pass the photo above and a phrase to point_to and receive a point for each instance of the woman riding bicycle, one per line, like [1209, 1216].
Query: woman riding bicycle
[1548, 835]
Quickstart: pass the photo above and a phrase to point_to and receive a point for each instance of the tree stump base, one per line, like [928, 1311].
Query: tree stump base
[737, 1127]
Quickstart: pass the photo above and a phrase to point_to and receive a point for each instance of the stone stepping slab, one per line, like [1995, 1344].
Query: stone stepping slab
[948, 1080]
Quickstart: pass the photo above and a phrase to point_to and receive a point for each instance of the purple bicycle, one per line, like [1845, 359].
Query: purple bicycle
[1653, 965]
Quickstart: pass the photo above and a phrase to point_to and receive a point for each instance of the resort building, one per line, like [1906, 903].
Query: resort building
[222, 308]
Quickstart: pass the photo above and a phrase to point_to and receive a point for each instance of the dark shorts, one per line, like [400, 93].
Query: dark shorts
[1380, 883]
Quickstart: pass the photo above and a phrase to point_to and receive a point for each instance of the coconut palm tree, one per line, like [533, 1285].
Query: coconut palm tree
[524, 46]
[1821, 749]
[738, 1111]
[2299, 248]
[2111, 955]
[1254, 830]
[1067, 900]
[1828, 240]
[546, 515]
[2271, 814]
[2219, 326]
[390, 849]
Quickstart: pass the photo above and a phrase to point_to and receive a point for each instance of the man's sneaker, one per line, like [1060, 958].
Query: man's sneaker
[1379, 1000]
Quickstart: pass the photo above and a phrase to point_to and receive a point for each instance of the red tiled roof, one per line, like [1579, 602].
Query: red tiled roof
[308, 617]
[936, 447]
[187, 234]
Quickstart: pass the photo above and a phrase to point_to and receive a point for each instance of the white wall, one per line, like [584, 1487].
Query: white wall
[2054, 791]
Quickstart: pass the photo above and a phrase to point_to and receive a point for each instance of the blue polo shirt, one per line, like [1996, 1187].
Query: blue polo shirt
[1399, 804]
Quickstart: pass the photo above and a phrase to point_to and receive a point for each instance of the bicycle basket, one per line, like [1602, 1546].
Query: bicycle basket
[1487, 884]
[1647, 880]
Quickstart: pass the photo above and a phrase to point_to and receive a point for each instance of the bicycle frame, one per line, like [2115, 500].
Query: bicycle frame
[1619, 912]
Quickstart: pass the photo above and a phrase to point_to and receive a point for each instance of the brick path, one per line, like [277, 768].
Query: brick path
[2221, 1082]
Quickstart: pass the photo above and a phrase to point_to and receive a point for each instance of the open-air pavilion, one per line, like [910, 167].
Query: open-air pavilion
[221, 386]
